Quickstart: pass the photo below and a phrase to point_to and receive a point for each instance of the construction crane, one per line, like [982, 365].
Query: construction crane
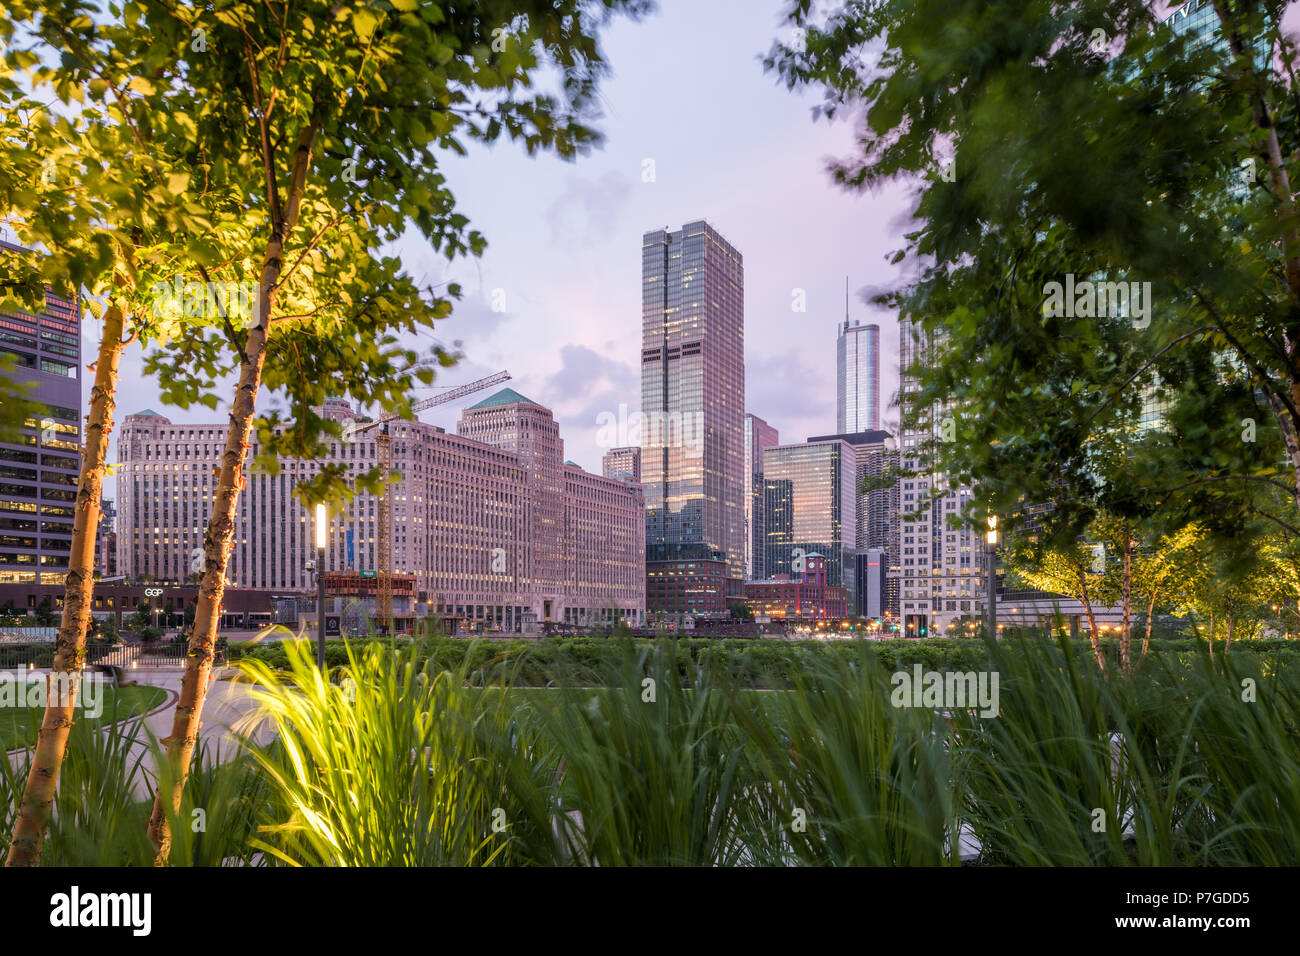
[384, 450]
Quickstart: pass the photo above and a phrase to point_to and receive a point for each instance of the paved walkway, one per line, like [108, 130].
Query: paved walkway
[229, 707]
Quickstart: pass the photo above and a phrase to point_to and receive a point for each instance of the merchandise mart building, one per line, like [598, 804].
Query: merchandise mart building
[491, 523]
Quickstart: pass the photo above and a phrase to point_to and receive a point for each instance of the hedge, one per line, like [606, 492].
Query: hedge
[752, 662]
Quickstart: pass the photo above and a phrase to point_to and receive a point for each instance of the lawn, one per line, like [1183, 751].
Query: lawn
[18, 725]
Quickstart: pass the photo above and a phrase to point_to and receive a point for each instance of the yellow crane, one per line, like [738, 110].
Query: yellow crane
[384, 452]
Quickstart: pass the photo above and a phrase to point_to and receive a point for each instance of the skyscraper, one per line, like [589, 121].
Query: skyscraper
[811, 508]
[759, 435]
[38, 471]
[692, 418]
[857, 376]
[877, 515]
[941, 568]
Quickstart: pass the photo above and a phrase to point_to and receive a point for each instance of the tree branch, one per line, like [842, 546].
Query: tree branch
[1132, 378]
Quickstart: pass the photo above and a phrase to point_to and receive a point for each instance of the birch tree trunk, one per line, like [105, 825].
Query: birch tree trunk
[219, 535]
[1092, 620]
[1151, 610]
[70, 646]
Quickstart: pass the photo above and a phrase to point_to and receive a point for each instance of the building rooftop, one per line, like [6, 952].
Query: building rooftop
[855, 438]
[507, 396]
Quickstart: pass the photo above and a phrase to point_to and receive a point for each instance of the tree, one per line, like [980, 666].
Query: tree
[281, 149]
[108, 630]
[1067, 570]
[1164, 573]
[90, 192]
[141, 618]
[1001, 124]
[320, 127]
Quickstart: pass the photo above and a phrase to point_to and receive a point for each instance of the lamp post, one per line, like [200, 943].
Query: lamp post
[991, 596]
[320, 586]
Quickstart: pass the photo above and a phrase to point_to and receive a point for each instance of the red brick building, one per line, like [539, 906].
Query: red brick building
[807, 597]
[695, 586]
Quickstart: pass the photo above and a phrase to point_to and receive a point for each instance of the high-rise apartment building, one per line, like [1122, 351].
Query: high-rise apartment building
[38, 471]
[941, 568]
[857, 377]
[618, 462]
[810, 507]
[493, 525]
[692, 419]
[759, 436]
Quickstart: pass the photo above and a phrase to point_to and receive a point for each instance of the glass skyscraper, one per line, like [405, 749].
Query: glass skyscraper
[692, 414]
[811, 508]
[857, 378]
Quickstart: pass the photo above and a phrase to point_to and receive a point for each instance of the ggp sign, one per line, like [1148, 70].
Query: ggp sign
[153, 592]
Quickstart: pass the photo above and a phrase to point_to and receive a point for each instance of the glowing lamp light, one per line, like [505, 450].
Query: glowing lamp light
[320, 527]
[992, 536]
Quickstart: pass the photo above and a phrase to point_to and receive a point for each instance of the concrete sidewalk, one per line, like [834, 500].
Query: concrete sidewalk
[229, 708]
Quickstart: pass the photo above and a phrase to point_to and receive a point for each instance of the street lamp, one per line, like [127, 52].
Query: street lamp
[320, 586]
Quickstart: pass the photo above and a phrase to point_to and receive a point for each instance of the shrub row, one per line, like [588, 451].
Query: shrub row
[752, 662]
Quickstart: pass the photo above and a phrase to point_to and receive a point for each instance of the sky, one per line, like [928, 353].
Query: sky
[729, 144]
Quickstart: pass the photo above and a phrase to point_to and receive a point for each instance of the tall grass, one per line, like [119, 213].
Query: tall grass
[399, 765]
[1171, 766]
[652, 757]
[95, 820]
[655, 769]
[848, 779]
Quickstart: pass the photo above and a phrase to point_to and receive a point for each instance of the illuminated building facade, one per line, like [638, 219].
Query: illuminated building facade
[38, 471]
[693, 408]
[491, 523]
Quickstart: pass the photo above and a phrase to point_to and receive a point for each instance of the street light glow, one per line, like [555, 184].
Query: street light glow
[320, 527]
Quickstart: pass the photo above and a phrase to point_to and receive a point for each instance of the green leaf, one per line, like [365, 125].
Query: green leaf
[364, 21]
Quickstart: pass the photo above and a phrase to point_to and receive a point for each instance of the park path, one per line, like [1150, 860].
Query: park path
[229, 707]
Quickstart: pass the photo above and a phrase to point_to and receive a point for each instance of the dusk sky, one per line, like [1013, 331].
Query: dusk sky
[729, 144]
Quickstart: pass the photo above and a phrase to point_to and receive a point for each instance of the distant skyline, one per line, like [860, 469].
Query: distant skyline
[728, 144]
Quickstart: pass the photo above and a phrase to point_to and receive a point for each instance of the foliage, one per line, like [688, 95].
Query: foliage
[1174, 411]
[1192, 763]
[402, 765]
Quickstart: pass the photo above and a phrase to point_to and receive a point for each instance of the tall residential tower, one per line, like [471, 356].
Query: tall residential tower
[857, 376]
[942, 565]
